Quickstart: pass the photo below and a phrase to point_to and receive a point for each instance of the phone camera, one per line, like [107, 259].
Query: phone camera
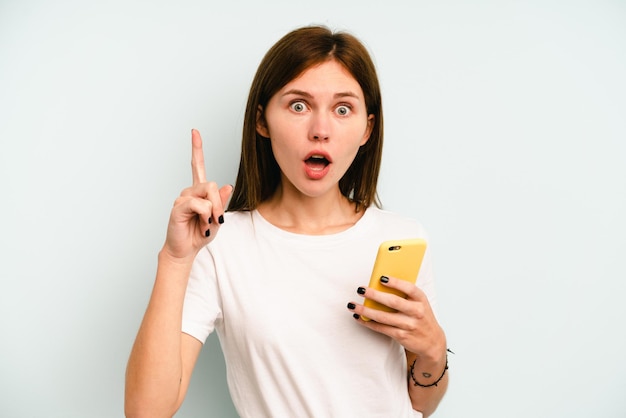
[394, 248]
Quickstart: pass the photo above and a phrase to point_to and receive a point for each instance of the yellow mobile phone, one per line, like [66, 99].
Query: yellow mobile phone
[397, 258]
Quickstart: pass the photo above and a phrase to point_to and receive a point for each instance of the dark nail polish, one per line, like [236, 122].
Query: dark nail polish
[207, 233]
[384, 279]
[351, 305]
[356, 316]
[221, 219]
[361, 290]
[210, 220]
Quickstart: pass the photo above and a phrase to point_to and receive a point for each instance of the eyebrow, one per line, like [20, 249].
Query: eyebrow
[310, 96]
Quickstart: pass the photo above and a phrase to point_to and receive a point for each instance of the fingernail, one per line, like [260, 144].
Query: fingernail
[361, 290]
[207, 233]
[351, 306]
[210, 220]
[356, 316]
[221, 219]
[384, 279]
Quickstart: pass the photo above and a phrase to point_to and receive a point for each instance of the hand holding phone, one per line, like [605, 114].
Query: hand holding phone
[401, 259]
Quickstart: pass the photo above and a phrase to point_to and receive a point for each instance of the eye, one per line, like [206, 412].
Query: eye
[343, 110]
[298, 107]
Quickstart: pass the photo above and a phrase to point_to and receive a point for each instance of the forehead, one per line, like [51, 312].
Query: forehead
[327, 76]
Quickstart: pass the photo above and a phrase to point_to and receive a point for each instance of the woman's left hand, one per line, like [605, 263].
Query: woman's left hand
[414, 325]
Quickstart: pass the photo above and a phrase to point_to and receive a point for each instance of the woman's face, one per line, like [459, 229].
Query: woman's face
[316, 124]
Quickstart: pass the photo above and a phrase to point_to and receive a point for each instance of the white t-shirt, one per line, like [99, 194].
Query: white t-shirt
[278, 302]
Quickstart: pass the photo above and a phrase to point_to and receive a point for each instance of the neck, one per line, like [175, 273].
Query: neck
[302, 214]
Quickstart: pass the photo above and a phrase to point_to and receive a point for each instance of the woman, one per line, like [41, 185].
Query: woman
[273, 274]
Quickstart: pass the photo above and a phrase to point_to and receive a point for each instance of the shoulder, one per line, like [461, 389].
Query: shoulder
[398, 223]
[389, 215]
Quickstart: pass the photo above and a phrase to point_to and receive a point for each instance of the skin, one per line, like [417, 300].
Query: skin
[322, 112]
[162, 359]
[413, 326]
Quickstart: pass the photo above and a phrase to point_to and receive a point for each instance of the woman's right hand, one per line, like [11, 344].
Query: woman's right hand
[197, 213]
[163, 357]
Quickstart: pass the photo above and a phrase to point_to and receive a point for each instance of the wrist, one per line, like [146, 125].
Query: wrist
[166, 257]
[421, 371]
[431, 362]
[172, 267]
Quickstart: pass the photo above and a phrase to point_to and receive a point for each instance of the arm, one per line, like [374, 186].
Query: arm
[414, 326]
[162, 359]
[426, 399]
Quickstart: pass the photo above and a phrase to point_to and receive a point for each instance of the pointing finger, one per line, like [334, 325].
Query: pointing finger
[197, 158]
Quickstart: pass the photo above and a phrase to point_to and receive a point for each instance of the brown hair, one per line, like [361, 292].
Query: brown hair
[259, 173]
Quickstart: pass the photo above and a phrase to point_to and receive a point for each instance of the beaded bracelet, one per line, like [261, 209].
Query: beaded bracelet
[440, 377]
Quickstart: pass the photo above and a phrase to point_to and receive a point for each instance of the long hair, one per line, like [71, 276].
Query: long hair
[259, 174]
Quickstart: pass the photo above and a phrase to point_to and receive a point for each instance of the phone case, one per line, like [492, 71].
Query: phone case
[397, 258]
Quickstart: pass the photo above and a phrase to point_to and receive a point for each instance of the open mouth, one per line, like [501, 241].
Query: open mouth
[317, 162]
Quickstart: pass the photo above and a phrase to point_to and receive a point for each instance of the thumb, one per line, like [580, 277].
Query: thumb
[225, 192]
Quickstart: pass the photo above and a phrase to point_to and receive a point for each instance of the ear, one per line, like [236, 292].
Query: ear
[368, 129]
[261, 124]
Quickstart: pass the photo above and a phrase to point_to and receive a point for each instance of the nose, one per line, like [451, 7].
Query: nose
[320, 127]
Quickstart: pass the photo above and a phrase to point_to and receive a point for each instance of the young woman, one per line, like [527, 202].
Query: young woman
[272, 275]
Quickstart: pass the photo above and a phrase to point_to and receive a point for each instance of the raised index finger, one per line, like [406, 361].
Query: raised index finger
[197, 158]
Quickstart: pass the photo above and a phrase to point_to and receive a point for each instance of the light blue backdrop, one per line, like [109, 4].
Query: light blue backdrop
[506, 136]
